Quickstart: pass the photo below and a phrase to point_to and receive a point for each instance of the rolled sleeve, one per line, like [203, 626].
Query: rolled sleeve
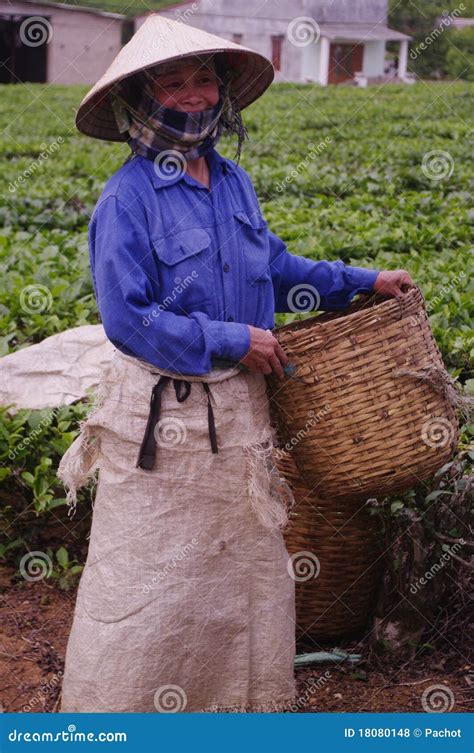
[333, 284]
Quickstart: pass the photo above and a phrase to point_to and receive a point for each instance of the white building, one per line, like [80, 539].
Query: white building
[326, 41]
[47, 42]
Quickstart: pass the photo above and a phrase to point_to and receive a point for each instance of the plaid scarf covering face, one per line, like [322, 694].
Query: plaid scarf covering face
[154, 128]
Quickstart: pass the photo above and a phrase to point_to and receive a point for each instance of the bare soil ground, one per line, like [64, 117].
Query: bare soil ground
[36, 618]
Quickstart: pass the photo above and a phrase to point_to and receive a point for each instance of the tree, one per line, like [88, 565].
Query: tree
[460, 54]
[432, 39]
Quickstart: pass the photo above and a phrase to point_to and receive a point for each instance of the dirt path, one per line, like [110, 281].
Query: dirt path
[35, 622]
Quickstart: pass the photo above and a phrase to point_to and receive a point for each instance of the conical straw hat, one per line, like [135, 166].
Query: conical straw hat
[161, 39]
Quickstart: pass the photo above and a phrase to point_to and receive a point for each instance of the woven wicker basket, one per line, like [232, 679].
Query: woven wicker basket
[370, 409]
[336, 552]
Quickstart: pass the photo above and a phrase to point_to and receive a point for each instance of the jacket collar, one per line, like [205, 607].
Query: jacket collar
[218, 164]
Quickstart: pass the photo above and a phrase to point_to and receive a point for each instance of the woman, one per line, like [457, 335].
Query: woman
[186, 602]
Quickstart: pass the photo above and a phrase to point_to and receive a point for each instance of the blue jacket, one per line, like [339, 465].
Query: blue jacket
[179, 271]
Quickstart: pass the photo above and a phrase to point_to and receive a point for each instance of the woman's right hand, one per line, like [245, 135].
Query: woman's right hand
[265, 353]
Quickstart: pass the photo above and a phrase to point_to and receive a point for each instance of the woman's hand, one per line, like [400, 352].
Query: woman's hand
[265, 353]
[390, 283]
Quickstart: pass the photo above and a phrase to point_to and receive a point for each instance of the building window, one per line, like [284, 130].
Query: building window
[237, 38]
[276, 51]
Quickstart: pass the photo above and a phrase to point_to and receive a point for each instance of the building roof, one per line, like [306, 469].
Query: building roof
[9, 8]
[459, 23]
[361, 32]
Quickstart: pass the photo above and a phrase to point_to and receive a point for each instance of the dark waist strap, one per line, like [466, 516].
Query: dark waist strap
[147, 453]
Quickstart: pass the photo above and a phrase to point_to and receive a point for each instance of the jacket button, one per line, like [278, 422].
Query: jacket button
[226, 267]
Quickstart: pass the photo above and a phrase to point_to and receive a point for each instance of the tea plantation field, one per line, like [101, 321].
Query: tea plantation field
[379, 178]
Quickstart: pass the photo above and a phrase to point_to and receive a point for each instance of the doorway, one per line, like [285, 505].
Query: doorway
[344, 61]
[19, 60]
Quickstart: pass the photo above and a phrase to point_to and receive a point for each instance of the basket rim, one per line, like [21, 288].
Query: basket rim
[356, 309]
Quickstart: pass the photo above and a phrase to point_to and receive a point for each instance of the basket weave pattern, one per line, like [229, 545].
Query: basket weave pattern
[368, 412]
[338, 599]
[374, 436]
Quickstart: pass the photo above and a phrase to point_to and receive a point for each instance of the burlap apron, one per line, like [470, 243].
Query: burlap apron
[185, 602]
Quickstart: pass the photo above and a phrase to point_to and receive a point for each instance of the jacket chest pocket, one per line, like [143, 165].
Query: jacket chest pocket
[185, 272]
[255, 246]
[252, 231]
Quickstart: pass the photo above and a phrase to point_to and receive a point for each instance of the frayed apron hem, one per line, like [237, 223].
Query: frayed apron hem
[258, 707]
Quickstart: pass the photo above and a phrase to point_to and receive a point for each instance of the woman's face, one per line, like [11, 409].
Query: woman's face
[190, 87]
